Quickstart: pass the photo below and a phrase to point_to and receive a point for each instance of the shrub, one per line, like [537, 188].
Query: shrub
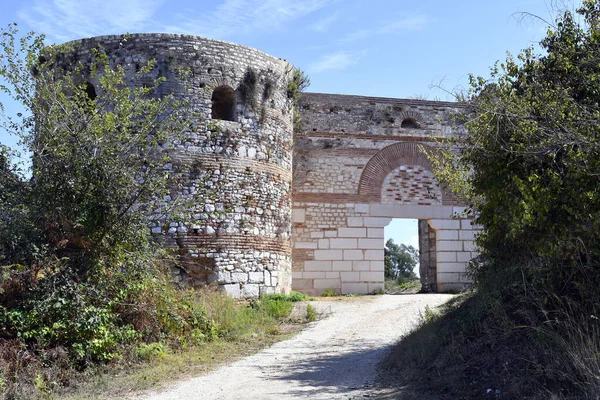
[311, 313]
[329, 293]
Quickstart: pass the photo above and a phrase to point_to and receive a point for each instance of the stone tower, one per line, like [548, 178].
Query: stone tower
[237, 163]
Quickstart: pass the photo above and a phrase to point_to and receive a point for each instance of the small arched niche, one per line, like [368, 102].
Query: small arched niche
[223, 103]
[409, 123]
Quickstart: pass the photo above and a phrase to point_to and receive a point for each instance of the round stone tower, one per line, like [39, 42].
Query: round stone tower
[237, 163]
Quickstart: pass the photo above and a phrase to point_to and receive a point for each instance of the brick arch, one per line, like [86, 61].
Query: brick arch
[386, 161]
[411, 115]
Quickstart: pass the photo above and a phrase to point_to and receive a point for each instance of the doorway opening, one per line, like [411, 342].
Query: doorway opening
[402, 256]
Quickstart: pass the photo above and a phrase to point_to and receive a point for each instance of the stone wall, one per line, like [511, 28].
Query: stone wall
[237, 163]
[359, 163]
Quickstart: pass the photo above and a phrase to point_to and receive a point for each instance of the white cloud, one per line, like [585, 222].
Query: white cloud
[70, 19]
[243, 17]
[336, 61]
[411, 23]
[324, 23]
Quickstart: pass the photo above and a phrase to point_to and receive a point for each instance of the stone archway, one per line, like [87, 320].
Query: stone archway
[389, 159]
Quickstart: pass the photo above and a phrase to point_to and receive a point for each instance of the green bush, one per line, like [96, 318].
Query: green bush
[329, 293]
[311, 313]
[150, 351]
[293, 296]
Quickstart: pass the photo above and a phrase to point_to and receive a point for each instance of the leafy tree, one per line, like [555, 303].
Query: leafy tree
[79, 266]
[529, 164]
[399, 260]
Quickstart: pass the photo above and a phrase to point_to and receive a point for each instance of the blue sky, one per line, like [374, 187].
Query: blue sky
[388, 48]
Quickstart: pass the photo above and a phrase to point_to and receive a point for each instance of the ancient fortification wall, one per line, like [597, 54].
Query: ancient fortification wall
[357, 164]
[238, 170]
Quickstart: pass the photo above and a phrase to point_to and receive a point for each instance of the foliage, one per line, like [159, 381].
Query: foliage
[80, 273]
[311, 313]
[293, 296]
[399, 260]
[330, 293]
[298, 82]
[528, 166]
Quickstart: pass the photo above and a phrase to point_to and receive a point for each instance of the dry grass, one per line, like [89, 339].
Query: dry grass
[240, 328]
[111, 383]
[472, 345]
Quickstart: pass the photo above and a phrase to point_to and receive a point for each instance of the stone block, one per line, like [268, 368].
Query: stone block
[250, 290]
[223, 277]
[352, 232]
[295, 275]
[313, 275]
[267, 290]
[355, 288]
[374, 255]
[370, 244]
[298, 215]
[464, 256]
[232, 290]
[377, 266]
[353, 255]
[317, 265]
[375, 233]
[305, 245]
[470, 246]
[332, 275]
[355, 221]
[302, 284]
[449, 245]
[342, 266]
[239, 277]
[466, 224]
[446, 256]
[327, 284]
[323, 243]
[467, 235]
[328, 254]
[375, 286]
[343, 243]
[316, 235]
[368, 276]
[361, 208]
[256, 277]
[350, 277]
[445, 224]
[447, 235]
[361, 265]
[444, 267]
[376, 222]
[330, 233]
[267, 278]
[452, 287]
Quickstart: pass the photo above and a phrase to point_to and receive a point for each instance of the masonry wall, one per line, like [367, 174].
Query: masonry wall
[237, 173]
[359, 163]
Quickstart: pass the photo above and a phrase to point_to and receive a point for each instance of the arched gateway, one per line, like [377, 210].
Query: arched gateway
[363, 166]
[356, 163]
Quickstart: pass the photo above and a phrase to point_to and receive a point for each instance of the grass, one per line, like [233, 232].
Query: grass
[473, 344]
[242, 327]
[402, 286]
[109, 382]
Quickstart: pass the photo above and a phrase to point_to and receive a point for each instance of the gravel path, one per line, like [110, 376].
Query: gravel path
[334, 358]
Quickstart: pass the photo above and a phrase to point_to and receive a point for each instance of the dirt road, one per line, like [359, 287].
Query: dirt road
[334, 358]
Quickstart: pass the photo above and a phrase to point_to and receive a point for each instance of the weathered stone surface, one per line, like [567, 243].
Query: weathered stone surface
[357, 162]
